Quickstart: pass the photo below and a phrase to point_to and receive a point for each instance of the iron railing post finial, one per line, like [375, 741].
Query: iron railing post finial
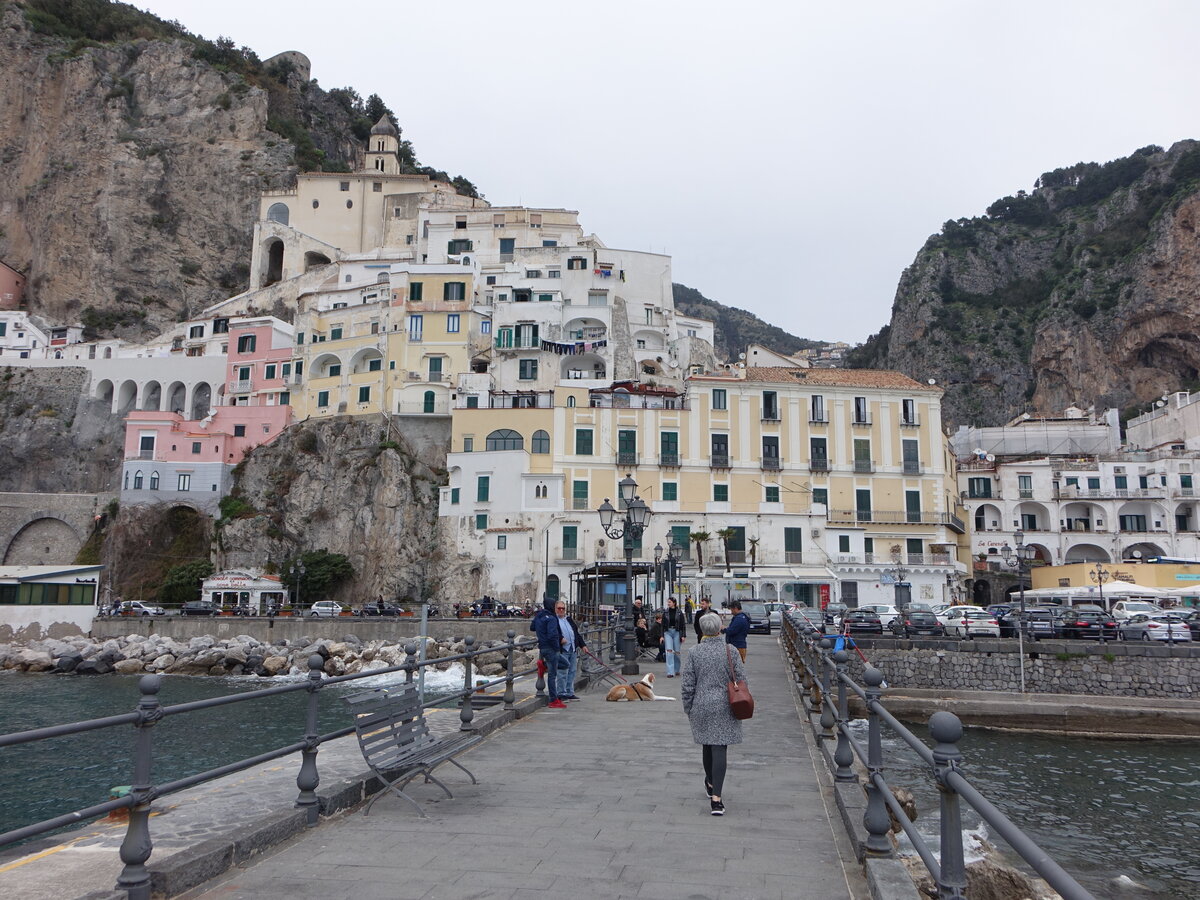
[875, 819]
[308, 778]
[468, 711]
[510, 695]
[137, 846]
[828, 720]
[411, 649]
[842, 754]
[946, 729]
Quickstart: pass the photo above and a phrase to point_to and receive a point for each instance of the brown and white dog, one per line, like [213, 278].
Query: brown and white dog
[639, 690]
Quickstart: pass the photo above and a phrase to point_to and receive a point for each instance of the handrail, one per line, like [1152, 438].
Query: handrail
[823, 672]
[136, 848]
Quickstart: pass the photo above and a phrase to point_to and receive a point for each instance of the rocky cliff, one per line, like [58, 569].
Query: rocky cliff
[1083, 291]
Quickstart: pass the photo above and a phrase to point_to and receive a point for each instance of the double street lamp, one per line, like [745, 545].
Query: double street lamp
[1020, 559]
[665, 569]
[297, 569]
[635, 517]
[1099, 575]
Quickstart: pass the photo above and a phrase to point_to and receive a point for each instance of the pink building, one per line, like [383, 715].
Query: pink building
[12, 287]
[172, 459]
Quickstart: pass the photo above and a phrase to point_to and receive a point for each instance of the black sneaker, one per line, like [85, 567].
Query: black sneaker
[718, 808]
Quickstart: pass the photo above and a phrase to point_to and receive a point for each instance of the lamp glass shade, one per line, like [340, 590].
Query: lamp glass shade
[657, 552]
[639, 513]
[676, 551]
[607, 512]
[628, 489]
[1019, 538]
[1006, 551]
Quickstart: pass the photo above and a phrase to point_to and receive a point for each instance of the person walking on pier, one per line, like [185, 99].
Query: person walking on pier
[674, 634]
[738, 628]
[550, 645]
[568, 659]
[706, 702]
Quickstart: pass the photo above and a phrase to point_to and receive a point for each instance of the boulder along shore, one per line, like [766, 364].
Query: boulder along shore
[243, 655]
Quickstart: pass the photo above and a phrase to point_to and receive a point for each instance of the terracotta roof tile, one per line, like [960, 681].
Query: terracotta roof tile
[865, 378]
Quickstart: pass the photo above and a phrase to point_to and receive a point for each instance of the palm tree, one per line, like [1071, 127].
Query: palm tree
[726, 535]
[698, 538]
[754, 552]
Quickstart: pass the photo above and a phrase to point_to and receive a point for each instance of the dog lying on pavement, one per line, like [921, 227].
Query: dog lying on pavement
[639, 690]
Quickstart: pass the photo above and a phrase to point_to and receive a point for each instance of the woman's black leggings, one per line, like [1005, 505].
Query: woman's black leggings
[714, 766]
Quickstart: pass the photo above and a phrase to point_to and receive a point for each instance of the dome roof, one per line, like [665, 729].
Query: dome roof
[384, 126]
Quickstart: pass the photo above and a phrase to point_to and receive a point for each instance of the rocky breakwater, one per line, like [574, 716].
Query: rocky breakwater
[241, 655]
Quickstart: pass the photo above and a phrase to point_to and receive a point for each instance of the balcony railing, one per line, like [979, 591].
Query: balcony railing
[626, 458]
[771, 463]
[982, 495]
[294, 379]
[793, 557]
[864, 465]
[818, 464]
[910, 423]
[521, 400]
[669, 460]
[568, 555]
[241, 387]
[895, 517]
[718, 462]
[818, 418]
[770, 415]
[1025, 493]
[580, 503]
[861, 420]
[911, 467]
[1071, 492]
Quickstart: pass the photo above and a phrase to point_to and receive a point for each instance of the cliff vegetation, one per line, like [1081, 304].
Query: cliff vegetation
[736, 328]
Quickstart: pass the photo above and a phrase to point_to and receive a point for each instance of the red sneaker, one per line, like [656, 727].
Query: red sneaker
[557, 704]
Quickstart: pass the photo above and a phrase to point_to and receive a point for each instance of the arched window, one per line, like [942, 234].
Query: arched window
[278, 213]
[570, 402]
[466, 260]
[504, 439]
[108, 352]
[137, 480]
[126, 482]
[540, 442]
[154, 481]
[429, 396]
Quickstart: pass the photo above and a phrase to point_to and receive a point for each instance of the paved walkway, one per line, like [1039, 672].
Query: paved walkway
[599, 800]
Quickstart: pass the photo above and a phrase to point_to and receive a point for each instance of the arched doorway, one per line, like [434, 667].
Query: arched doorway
[152, 396]
[552, 587]
[43, 542]
[429, 402]
[201, 400]
[274, 271]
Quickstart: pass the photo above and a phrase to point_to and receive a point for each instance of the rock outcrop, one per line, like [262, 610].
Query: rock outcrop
[1082, 292]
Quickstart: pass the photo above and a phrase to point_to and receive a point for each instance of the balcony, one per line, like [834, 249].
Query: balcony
[896, 517]
[771, 463]
[818, 464]
[863, 421]
[793, 557]
[567, 555]
[580, 503]
[1025, 493]
[521, 399]
[241, 387]
[864, 465]
[910, 423]
[294, 379]
[1070, 492]
[627, 458]
[912, 467]
[818, 418]
[718, 462]
[770, 415]
[669, 460]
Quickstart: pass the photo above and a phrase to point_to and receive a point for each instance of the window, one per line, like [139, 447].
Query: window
[483, 487]
[481, 521]
[720, 493]
[246, 343]
[670, 491]
[579, 495]
[504, 439]
[269, 372]
[416, 291]
[862, 455]
[335, 333]
[818, 452]
[912, 506]
[344, 186]
[570, 542]
[1073, 482]
[239, 430]
[497, 220]
[535, 220]
[485, 327]
[473, 402]
[527, 335]
[862, 504]
[719, 449]
[627, 446]
[154, 481]
[583, 442]
[454, 290]
[3, 329]
[668, 448]
[468, 444]
[771, 493]
[908, 412]
[576, 262]
[460, 222]
[980, 488]
[377, 187]
[1120, 482]
[540, 442]
[843, 543]
[1029, 522]
[196, 331]
[455, 493]
[1025, 486]
[375, 365]
[1093, 484]
[452, 321]
[770, 448]
[334, 370]
[770, 405]
[507, 246]
[1132, 523]
[299, 337]
[911, 451]
[416, 327]
[195, 446]
[860, 411]
[502, 542]
[527, 369]
[792, 544]
[322, 398]
[820, 495]
[914, 547]
[533, 273]
[545, 298]
[364, 394]
[137, 480]
[184, 483]
[554, 273]
[719, 398]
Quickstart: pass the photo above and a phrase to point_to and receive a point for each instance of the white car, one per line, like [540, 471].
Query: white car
[138, 608]
[1124, 609]
[325, 609]
[971, 622]
[946, 613]
[886, 611]
[1154, 627]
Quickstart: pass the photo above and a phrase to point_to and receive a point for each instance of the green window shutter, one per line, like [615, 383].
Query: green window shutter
[669, 443]
[416, 290]
[481, 522]
[627, 441]
[364, 394]
[679, 537]
[820, 495]
[793, 540]
[772, 493]
[570, 537]
[670, 490]
[843, 543]
[579, 491]
[583, 442]
[720, 493]
[912, 505]
[914, 546]
[454, 494]
[483, 488]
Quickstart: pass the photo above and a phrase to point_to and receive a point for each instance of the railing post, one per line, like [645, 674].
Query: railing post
[947, 730]
[827, 717]
[410, 661]
[510, 694]
[137, 846]
[843, 756]
[875, 819]
[468, 711]
[308, 779]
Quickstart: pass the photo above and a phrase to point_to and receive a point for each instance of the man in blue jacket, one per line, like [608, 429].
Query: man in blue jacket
[550, 645]
[738, 628]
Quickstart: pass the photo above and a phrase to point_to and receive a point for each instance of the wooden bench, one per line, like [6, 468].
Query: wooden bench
[396, 743]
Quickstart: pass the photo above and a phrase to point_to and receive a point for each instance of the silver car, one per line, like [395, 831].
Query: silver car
[325, 609]
[1154, 627]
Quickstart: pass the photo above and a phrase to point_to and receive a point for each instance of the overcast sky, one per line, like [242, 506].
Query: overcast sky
[791, 156]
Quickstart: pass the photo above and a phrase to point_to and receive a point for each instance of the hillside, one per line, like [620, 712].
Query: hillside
[132, 154]
[735, 328]
[1082, 291]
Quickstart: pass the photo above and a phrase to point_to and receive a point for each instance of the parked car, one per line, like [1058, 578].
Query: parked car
[138, 608]
[1085, 623]
[810, 620]
[1192, 618]
[972, 623]
[946, 613]
[833, 612]
[198, 608]
[374, 609]
[886, 611]
[1039, 622]
[917, 621]
[1156, 627]
[775, 611]
[760, 619]
[1124, 609]
[861, 621]
[325, 609]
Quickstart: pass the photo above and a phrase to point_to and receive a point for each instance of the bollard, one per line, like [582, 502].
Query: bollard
[510, 695]
[308, 779]
[947, 730]
[875, 819]
[827, 717]
[843, 756]
[137, 846]
[468, 711]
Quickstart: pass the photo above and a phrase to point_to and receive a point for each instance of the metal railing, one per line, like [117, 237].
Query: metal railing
[136, 847]
[826, 686]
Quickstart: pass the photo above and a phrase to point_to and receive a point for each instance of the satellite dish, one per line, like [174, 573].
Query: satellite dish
[979, 451]
[991, 457]
[741, 356]
[933, 381]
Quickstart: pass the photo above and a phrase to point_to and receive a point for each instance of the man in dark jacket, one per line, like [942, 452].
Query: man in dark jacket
[738, 628]
[568, 658]
[550, 645]
[704, 610]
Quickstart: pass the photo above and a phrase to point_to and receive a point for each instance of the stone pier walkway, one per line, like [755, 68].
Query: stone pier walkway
[600, 800]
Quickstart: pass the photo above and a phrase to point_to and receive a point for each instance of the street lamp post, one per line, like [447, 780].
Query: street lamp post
[674, 554]
[1019, 559]
[1100, 575]
[298, 572]
[633, 523]
[900, 589]
[950, 592]
[659, 572]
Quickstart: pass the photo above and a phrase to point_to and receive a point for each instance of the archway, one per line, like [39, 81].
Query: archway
[1141, 550]
[43, 542]
[274, 271]
[981, 593]
[176, 397]
[278, 212]
[368, 359]
[1085, 553]
[104, 392]
[429, 403]
[151, 396]
[201, 400]
[327, 365]
[312, 260]
[126, 397]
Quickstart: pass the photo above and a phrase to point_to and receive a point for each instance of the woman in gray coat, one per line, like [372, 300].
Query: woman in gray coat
[706, 702]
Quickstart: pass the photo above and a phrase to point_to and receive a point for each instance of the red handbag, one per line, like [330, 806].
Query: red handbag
[741, 704]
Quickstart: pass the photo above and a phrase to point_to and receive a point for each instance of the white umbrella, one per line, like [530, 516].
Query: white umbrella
[1129, 589]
